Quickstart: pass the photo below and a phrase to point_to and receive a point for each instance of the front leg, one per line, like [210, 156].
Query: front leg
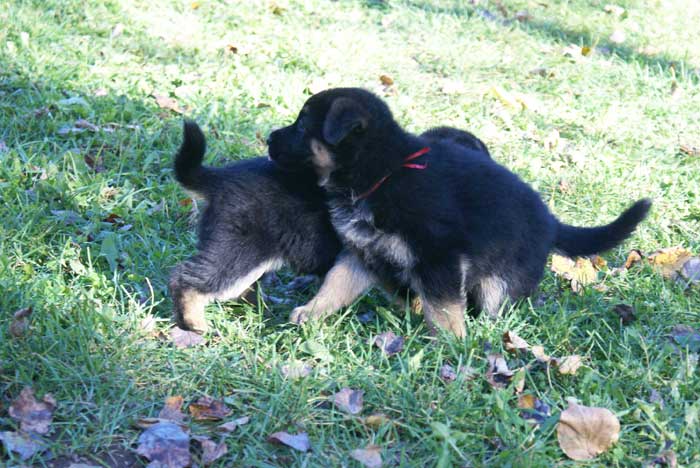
[442, 296]
[346, 281]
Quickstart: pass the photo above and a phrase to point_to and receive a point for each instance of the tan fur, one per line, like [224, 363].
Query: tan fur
[322, 160]
[446, 316]
[491, 292]
[346, 281]
[192, 304]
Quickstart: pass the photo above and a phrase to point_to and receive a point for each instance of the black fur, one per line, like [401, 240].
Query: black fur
[255, 214]
[464, 224]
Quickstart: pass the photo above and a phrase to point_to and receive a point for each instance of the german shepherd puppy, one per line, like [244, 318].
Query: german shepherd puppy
[416, 211]
[258, 218]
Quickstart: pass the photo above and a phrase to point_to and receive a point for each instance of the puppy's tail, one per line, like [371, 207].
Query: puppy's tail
[576, 241]
[188, 161]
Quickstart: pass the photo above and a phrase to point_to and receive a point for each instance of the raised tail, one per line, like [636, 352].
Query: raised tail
[188, 161]
[575, 241]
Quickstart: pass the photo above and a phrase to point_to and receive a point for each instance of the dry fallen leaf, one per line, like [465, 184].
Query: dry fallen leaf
[686, 337]
[499, 376]
[25, 445]
[386, 80]
[586, 432]
[171, 410]
[690, 271]
[568, 365]
[296, 370]
[167, 103]
[635, 256]
[625, 312]
[690, 150]
[376, 420]
[513, 343]
[670, 260]
[349, 400]
[211, 451]
[209, 409]
[534, 410]
[580, 272]
[523, 16]
[232, 425]
[389, 343]
[370, 456]
[20, 322]
[667, 458]
[298, 441]
[540, 355]
[33, 416]
[166, 445]
[185, 338]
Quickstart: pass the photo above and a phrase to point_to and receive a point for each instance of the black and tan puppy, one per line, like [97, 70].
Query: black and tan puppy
[422, 212]
[258, 218]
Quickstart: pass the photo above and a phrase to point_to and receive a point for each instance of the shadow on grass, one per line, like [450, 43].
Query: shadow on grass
[556, 32]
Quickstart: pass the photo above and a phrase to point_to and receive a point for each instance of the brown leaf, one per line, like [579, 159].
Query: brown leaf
[687, 337]
[669, 260]
[586, 432]
[23, 444]
[376, 420]
[513, 343]
[523, 16]
[166, 445]
[96, 163]
[447, 373]
[167, 103]
[690, 271]
[389, 343]
[349, 400]
[540, 355]
[113, 218]
[625, 312]
[298, 441]
[667, 458]
[535, 410]
[171, 410]
[184, 338]
[211, 451]
[635, 256]
[386, 80]
[296, 370]
[232, 425]
[370, 456]
[209, 409]
[34, 416]
[20, 322]
[580, 272]
[499, 376]
[568, 365]
[690, 150]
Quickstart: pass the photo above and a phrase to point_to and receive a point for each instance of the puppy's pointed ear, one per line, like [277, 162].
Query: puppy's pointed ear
[343, 118]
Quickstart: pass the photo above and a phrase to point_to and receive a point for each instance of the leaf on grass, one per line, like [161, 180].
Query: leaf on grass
[635, 256]
[33, 416]
[370, 456]
[296, 370]
[172, 409]
[666, 458]
[686, 337]
[386, 80]
[23, 444]
[577, 52]
[389, 343]
[568, 365]
[533, 409]
[690, 150]
[580, 272]
[317, 350]
[185, 338]
[211, 451]
[20, 322]
[586, 432]
[349, 400]
[167, 103]
[376, 420]
[499, 376]
[209, 409]
[95, 163]
[232, 425]
[669, 260]
[690, 271]
[540, 355]
[513, 343]
[625, 313]
[298, 441]
[166, 445]
[614, 10]
[523, 16]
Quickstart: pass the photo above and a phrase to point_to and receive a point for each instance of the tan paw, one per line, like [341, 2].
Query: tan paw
[303, 313]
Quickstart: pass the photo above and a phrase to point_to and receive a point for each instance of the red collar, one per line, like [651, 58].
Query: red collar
[406, 160]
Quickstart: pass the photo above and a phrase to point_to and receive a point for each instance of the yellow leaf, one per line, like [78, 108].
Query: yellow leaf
[586, 432]
[670, 260]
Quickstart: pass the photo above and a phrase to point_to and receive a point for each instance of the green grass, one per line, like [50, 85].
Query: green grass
[92, 282]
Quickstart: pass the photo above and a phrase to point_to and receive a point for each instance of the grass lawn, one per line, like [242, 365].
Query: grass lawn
[591, 107]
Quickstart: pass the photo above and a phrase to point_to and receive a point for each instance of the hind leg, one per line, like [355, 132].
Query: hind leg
[490, 293]
[442, 296]
[204, 278]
